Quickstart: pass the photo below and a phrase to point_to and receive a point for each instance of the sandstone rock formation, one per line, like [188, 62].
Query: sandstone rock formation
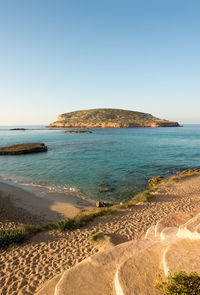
[24, 148]
[173, 244]
[110, 118]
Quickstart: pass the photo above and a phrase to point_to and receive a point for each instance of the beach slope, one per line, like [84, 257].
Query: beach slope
[25, 267]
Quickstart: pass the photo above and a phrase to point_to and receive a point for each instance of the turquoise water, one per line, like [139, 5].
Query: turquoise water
[123, 158]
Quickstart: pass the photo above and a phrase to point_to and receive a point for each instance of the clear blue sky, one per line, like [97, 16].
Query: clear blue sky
[59, 56]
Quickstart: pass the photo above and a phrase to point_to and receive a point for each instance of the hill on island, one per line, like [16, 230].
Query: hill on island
[109, 118]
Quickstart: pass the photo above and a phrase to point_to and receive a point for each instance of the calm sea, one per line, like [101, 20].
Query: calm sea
[124, 159]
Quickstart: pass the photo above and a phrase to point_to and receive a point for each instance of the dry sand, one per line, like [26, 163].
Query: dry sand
[24, 268]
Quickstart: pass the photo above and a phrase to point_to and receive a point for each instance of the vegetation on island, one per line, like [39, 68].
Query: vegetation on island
[110, 118]
[179, 283]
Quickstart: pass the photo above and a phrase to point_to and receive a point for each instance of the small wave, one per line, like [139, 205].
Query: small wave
[9, 178]
[51, 188]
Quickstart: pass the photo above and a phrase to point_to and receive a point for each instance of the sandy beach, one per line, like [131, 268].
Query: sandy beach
[25, 267]
[37, 206]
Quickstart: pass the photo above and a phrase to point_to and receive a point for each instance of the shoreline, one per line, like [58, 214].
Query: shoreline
[39, 204]
[46, 254]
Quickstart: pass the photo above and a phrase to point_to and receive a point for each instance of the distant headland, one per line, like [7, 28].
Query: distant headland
[109, 118]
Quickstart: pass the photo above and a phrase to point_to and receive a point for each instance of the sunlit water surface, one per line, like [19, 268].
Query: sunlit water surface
[124, 159]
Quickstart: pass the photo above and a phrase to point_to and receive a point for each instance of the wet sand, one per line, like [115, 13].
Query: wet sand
[37, 206]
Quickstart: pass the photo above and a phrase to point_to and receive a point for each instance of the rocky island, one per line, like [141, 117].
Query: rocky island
[24, 148]
[109, 118]
[18, 129]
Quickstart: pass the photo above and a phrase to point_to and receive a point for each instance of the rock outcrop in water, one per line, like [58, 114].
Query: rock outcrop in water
[109, 118]
[18, 129]
[78, 131]
[24, 148]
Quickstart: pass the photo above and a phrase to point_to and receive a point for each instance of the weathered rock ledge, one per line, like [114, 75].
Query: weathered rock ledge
[110, 118]
[171, 245]
[24, 148]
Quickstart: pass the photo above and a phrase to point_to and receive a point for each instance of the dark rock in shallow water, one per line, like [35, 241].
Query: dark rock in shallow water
[103, 184]
[24, 148]
[100, 204]
[18, 129]
[78, 131]
[105, 189]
